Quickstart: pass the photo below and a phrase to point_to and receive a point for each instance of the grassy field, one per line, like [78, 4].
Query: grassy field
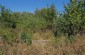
[44, 31]
[46, 44]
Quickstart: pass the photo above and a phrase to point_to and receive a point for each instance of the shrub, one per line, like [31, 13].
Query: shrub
[8, 35]
[26, 38]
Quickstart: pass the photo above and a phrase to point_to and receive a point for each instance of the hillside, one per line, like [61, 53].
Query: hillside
[45, 31]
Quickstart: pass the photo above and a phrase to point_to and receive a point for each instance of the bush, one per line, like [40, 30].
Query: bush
[8, 35]
[26, 38]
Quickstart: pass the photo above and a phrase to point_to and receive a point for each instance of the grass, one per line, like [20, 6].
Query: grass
[54, 46]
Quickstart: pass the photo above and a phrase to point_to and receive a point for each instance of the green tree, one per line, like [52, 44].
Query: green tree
[74, 16]
[6, 18]
[48, 13]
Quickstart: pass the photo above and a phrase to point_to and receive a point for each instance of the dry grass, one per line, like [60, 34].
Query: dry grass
[43, 35]
[48, 46]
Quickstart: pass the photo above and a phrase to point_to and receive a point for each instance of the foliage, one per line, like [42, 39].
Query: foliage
[72, 22]
[69, 23]
[49, 14]
[6, 18]
[26, 38]
[8, 35]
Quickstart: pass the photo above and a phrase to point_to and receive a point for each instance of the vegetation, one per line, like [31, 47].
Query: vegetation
[19, 27]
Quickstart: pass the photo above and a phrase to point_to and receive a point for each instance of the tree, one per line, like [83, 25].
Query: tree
[74, 15]
[6, 18]
[48, 13]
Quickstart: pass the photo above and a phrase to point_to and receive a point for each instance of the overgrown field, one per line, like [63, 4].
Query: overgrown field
[44, 32]
[46, 46]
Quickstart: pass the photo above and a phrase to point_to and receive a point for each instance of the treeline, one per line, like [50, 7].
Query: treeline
[19, 25]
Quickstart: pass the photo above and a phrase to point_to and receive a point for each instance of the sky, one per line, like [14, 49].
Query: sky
[32, 5]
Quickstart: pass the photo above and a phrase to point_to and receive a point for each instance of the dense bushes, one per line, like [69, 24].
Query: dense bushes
[71, 22]
[48, 14]
[6, 18]
[8, 35]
